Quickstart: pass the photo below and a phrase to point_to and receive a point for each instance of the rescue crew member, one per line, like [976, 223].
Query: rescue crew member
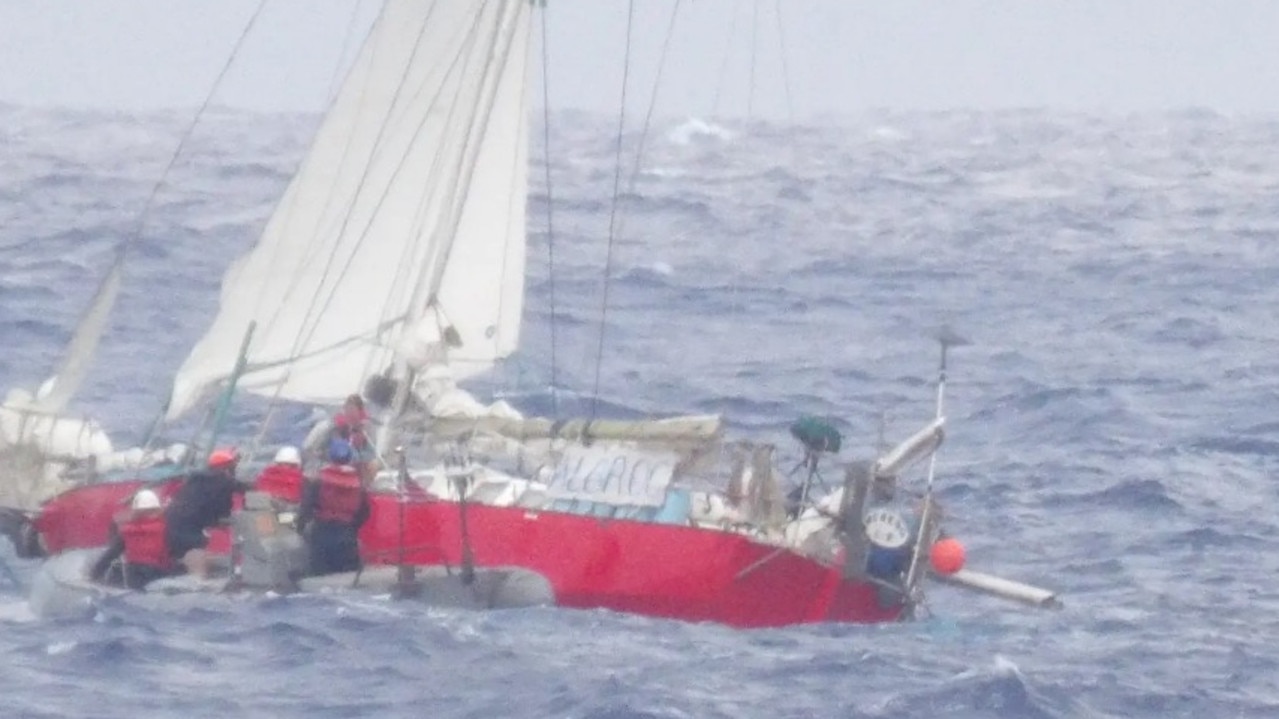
[282, 479]
[203, 501]
[138, 536]
[334, 507]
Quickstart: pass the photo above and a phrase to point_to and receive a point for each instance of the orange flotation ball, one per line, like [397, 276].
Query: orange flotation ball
[947, 556]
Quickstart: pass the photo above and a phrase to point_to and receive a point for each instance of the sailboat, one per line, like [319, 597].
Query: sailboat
[393, 266]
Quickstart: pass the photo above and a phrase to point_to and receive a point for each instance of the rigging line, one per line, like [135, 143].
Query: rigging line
[451, 206]
[304, 336]
[287, 205]
[292, 200]
[648, 116]
[517, 236]
[334, 84]
[190, 130]
[502, 42]
[499, 45]
[750, 91]
[723, 68]
[409, 256]
[612, 215]
[781, 41]
[311, 320]
[407, 268]
[465, 182]
[122, 251]
[550, 204]
[298, 338]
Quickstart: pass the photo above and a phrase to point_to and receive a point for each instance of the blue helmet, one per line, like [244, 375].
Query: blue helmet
[340, 451]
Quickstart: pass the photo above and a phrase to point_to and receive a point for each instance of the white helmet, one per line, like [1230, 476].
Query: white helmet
[145, 499]
[288, 455]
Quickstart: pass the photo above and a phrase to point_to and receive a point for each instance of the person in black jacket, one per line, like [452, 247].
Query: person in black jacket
[333, 509]
[202, 502]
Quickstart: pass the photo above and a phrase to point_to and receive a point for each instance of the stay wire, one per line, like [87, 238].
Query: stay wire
[123, 249]
[750, 92]
[648, 115]
[550, 205]
[612, 215]
[723, 68]
[190, 130]
[781, 41]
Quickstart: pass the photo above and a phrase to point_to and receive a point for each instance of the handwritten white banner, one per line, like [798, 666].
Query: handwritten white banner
[613, 475]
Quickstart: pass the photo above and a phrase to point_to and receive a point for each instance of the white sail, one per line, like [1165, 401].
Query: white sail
[58, 389]
[35, 436]
[408, 210]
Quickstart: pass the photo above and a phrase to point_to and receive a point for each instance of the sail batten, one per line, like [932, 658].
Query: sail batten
[408, 194]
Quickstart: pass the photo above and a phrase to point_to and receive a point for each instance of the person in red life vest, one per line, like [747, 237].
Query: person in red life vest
[138, 537]
[204, 501]
[334, 507]
[283, 478]
[352, 425]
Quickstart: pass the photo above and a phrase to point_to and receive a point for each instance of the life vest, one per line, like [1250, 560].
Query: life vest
[340, 494]
[144, 544]
[351, 428]
[283, 481]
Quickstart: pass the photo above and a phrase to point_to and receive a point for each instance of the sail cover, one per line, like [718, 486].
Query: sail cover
[408, 209]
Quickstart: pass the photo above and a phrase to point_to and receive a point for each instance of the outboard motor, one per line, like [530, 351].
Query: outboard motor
[269, 552]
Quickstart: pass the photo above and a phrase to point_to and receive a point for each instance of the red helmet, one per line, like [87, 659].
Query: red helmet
[223, 457]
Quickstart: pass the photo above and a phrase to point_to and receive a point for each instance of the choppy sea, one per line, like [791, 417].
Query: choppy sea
[1112, 425]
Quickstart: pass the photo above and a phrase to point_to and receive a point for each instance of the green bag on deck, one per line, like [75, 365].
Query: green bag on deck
[816, 434]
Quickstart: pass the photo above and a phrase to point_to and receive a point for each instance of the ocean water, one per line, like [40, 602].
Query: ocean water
[1112, 428]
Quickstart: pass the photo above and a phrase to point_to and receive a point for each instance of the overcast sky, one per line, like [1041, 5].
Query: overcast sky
[841, 56]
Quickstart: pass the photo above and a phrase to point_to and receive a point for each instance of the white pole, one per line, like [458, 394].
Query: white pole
[912, 575]
[1004, 588]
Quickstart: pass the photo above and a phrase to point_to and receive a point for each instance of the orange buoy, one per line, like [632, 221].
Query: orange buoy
[947, 556]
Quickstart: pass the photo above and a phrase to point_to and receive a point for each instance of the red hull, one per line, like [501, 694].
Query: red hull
[81, 518]
[661, 570]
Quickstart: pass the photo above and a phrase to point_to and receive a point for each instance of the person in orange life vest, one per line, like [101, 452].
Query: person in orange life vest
[138, 536]
[283, 478]
[334, 507]
[203, 501]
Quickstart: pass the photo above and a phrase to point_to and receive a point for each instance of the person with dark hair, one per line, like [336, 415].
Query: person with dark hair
[351, 424]
[334, 507]
[204, 501]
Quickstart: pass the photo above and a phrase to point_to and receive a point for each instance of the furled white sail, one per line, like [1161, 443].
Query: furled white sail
[409, 211]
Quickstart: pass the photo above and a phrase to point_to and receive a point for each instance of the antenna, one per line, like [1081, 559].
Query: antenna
[947, 338]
